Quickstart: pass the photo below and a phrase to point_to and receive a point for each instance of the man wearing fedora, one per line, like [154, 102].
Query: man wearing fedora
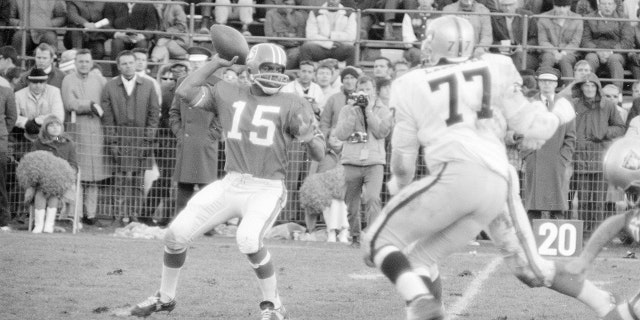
[548, 169]
[561, 36]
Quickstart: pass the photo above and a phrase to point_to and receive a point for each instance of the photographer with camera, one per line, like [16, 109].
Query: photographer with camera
[363, 125]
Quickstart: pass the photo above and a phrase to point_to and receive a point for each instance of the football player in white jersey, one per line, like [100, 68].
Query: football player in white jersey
[260, 124]
[457, 108]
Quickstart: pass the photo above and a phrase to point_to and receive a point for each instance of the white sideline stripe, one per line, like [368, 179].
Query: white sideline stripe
[473, 289]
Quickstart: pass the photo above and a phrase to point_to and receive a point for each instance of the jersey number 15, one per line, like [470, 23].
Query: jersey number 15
[454, 92]
[258, 120]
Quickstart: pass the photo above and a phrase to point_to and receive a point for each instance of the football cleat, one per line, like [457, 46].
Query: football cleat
[151, 305]
[269, 312]
[424, 308]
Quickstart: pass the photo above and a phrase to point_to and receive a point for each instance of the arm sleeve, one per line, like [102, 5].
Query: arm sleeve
[569, 142]
[74, 15]
[577, 36]
[108, 118]
[587, 40]
[175, 116]
[543, 39]
[380, 121]
[71, 101]
[404, 140]
[153, 116]
[616, 126]
[57, 107]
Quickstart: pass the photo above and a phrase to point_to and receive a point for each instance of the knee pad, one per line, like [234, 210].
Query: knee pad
[247, 244]
[172, 242]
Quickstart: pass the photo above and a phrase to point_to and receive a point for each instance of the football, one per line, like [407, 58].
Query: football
[229, 43]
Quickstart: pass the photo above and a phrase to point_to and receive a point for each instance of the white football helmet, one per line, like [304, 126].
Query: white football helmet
[622, 163]
[272, 57]
[450, 38]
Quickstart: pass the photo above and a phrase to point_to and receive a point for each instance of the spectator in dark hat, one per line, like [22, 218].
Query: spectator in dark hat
[36, 102]
[561, 37]
[198, 56]
[548, 169]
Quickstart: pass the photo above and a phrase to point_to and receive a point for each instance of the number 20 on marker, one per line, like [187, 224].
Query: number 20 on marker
[560, 238]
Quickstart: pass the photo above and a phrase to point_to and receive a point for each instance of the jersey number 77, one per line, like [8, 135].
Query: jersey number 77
[454, 91]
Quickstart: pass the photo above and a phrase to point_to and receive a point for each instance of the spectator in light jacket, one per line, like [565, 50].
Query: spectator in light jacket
[363, 128]
[331, 34]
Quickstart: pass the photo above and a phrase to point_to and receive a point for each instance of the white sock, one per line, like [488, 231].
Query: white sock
[269, 288]
[38, 220]
[602, 302]
[169, 283]
[410, 285]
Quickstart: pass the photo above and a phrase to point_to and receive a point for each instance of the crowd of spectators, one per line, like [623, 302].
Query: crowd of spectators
[130, 123]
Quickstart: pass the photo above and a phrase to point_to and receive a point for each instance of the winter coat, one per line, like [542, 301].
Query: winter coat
[331, 25]
[547, 169]
[282, 25]
[597, 124]
[566, 36]
[198, 133]
[78, 94]
[331, 111]
[8, 116]
[379, 125]
[61, 147]
[129, 132]
[49, 102]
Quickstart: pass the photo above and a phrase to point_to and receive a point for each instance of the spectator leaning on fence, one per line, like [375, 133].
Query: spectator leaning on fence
[481, 23]
[548, 169]
[42, 14]
[131, 115]
[331, 34]
[599, 34]
[87, 15]
[81, 94]
[363, 125]
[9, 114]
[597, 124]
[561, 37]
[45, 55]
[286, 22]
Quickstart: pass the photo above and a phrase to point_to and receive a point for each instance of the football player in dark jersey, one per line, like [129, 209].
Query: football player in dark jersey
[260, 123]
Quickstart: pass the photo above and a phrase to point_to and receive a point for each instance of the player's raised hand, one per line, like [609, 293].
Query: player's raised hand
[306, 129]
[224, 62]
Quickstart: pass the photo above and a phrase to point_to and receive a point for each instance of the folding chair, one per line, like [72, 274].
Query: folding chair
[77, 208]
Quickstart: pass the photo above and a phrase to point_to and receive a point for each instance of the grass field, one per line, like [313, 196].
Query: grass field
[93, 275]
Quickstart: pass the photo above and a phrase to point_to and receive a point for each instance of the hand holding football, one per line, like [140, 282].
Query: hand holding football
[229, 43]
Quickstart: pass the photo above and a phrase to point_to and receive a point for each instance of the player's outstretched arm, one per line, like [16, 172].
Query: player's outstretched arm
[192, 87]
[310, 135]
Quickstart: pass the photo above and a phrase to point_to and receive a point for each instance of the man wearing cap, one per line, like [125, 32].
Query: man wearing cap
[198, 56]
[34, 103]
[8, 59]
[548, 169]
[81, 94]
[561, 37]
[198, 133]
[509, 30]
[45, 55]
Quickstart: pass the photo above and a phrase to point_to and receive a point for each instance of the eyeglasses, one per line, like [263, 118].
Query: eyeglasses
[168, 79]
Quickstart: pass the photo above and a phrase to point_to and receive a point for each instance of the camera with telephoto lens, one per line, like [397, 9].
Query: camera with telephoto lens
[360, 98]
